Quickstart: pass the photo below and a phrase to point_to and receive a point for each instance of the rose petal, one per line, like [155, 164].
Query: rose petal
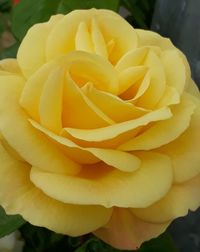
[19, 196]
[31, 57]
[174, 69]
[126, 231]
[111, 105]
[27, 141]
[73, 116]
[118, 159]
[52, 93]
[164, 132]
[184, 151]
[112, 131]
[178, 201]
[102, 185]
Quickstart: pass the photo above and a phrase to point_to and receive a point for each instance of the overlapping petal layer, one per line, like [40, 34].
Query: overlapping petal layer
[99, 127]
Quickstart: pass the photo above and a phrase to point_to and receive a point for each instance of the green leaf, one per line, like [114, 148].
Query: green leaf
[9, 223]
[29, 12]
[9, 52]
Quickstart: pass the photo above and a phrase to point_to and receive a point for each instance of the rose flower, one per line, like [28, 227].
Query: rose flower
[99, 126]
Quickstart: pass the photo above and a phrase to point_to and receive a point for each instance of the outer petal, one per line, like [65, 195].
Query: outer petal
[165, 131]
[102, 185]
[10, 66]
[126, 231]
[26, 140]
[149, 38]
[19, 196]
[179, 200]
[184, 151]
[31, 57]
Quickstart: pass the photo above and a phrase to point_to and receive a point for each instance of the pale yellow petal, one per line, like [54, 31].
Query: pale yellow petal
[98, 40]
[193, 89]
[126, 231]
[184, 151]
[29, 143]
[118, 159]
[132, 58]
[31, 54]
[170, 97]
[157, 82]
[115, 130]
[174, 69]
[164, 132]
[117, 109]
[30, 96]
[111, 25]
[150, 38]
[10, 66]
[130, 76]
[76, 106]
[137, 90]
[83, 41]
[102, 185]
[19, 196]
[51, 101]
[84, 67]
[180, 199]
[114, 28]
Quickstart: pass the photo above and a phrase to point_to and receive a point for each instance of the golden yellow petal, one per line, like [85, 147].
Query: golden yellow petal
[51, 101]
[178, 201]
[117, 109]
[164, 132]
[31, 57]
[101, 185]
[29, 143]
[10, 66]
[184, 151]
[150, 38]
[30, 96]
[126, 231]
[132, 58]
[174, 69]
[19, 196]
[193, 89]
[157, 82]
[73, 116]
[130, 76]
[115, 130]
[98, 40]
[83, 41]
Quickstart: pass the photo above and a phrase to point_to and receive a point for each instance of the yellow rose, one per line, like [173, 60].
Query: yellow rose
[99, 128]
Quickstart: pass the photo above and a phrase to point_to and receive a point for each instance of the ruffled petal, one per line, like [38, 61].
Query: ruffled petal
[117, 109]
[115, 130]
[31, 57]
[126, 231]
[178, 201]
[184, 151]
[164, 132]
[102, 185]
[73, 116]
[19, 196]
[29, 143]
[121, 160]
